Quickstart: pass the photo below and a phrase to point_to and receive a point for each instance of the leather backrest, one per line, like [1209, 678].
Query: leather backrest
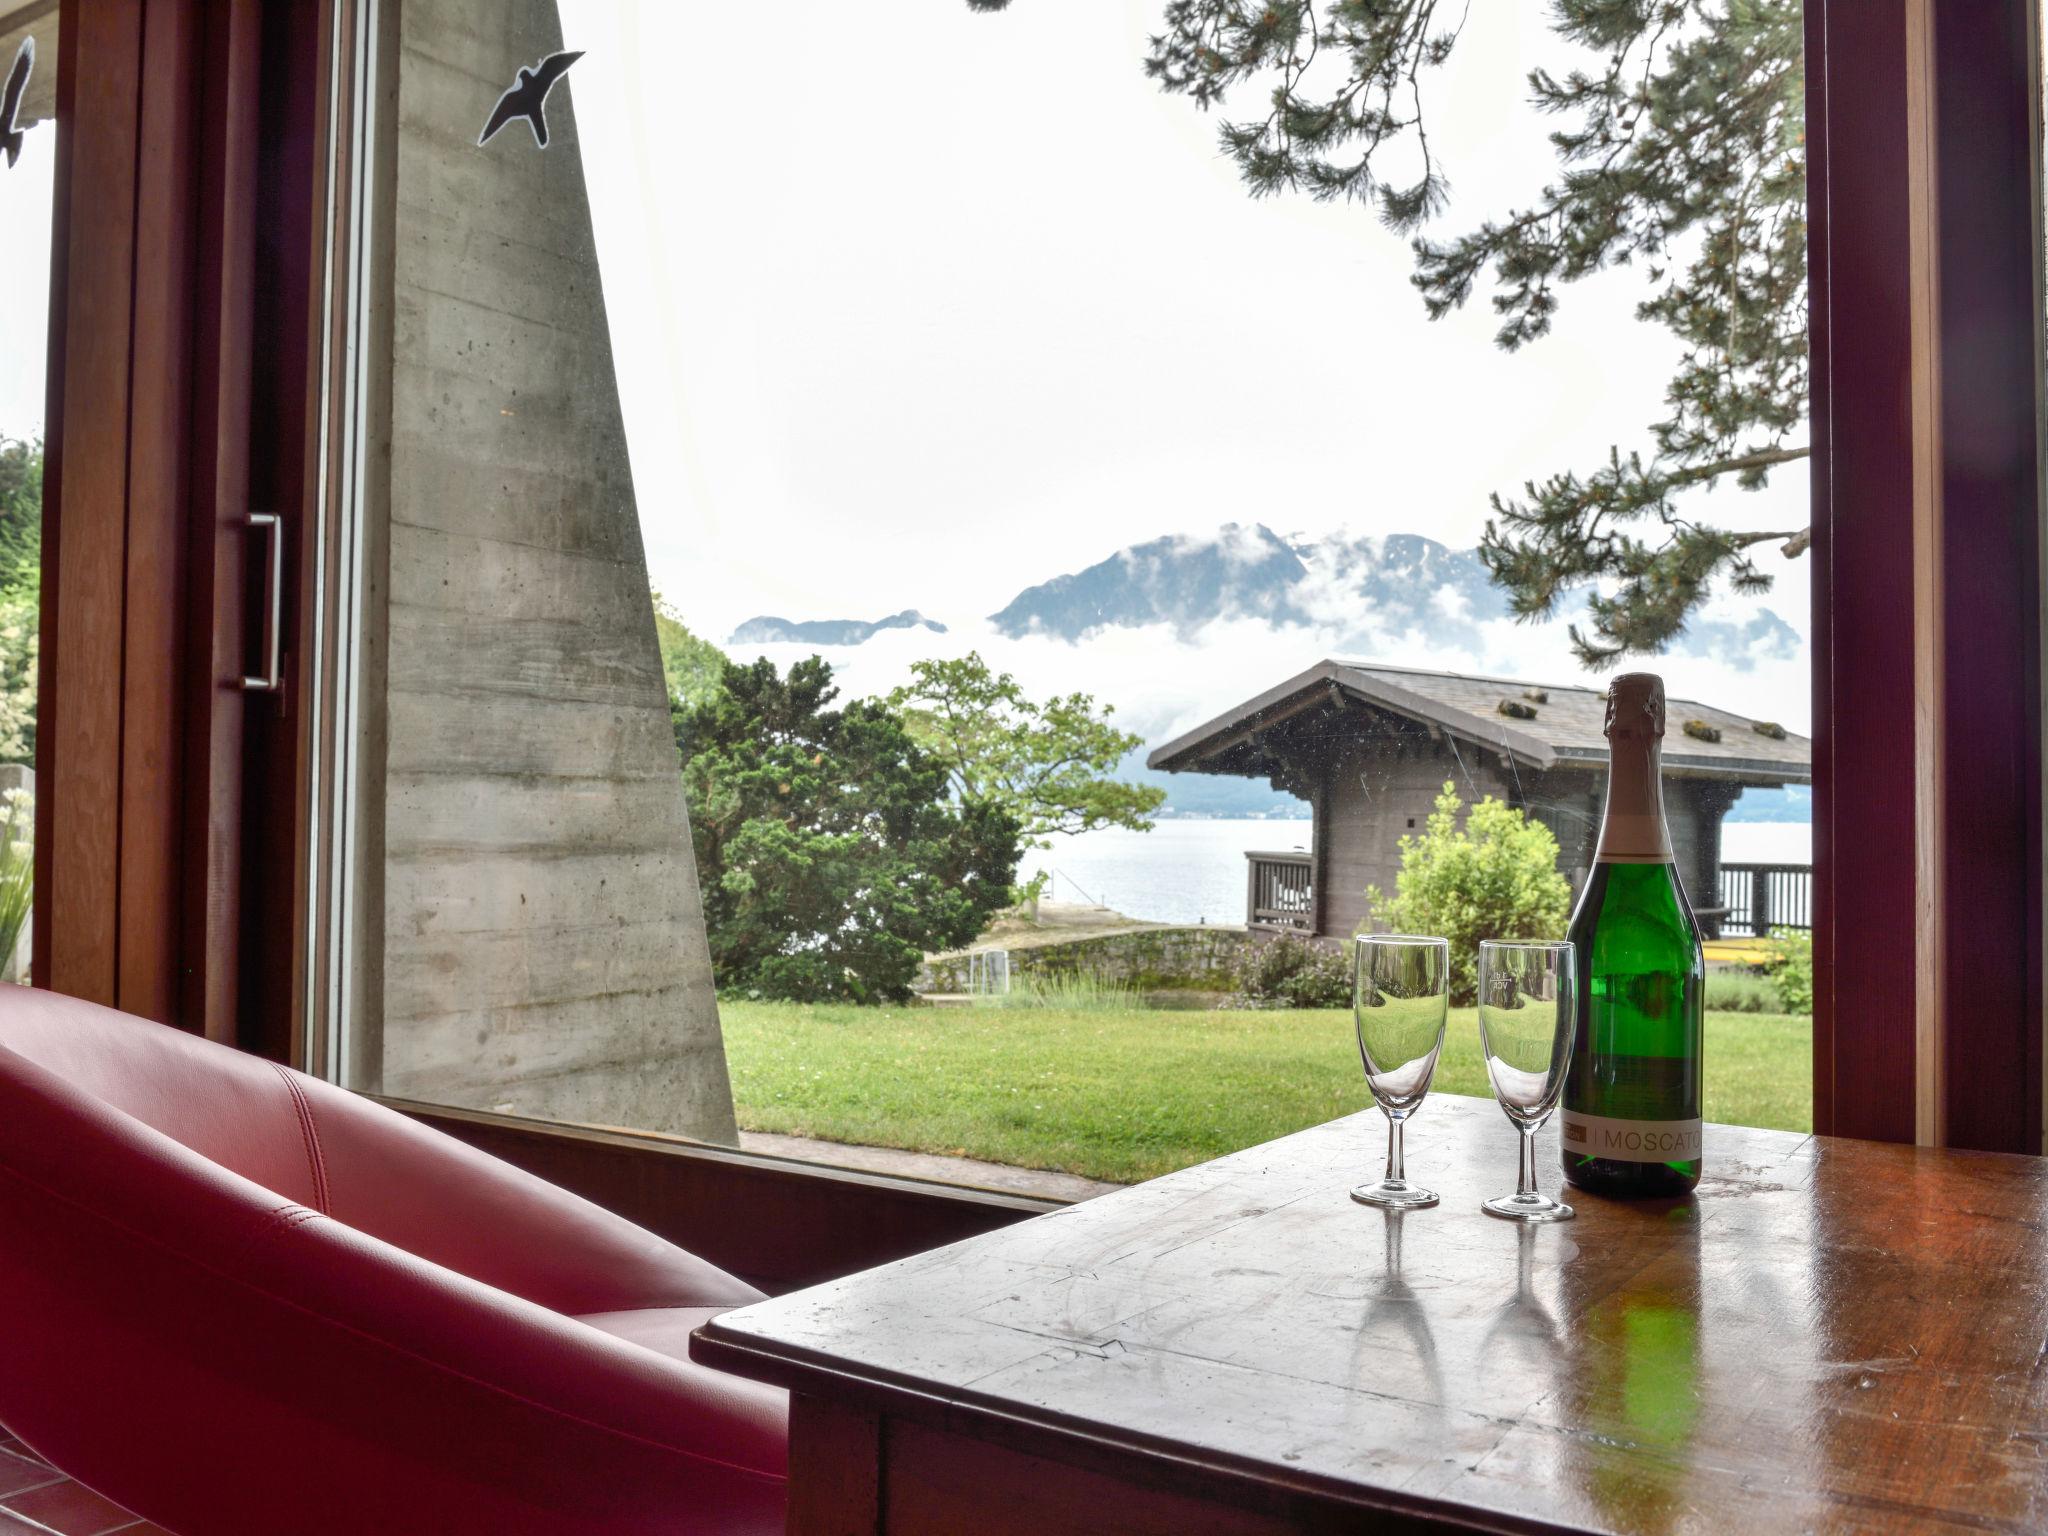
[363, 1164]
[236, 1110]
[225, 1359]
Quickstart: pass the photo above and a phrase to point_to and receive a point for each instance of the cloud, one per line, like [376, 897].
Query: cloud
[1163, 682]
[1451, 603]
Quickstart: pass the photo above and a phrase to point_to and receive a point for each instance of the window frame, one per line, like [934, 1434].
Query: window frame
[1924, 128]
[1918, 115]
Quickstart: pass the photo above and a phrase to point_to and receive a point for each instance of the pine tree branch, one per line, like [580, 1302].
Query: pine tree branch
[1763, 458]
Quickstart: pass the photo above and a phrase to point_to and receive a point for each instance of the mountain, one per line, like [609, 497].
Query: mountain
[1190, 582]
[1363, 595]
[769, 630]
[1184, 582]
[1214, 796]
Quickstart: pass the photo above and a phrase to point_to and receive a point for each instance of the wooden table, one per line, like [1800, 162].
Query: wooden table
[1834, 1335]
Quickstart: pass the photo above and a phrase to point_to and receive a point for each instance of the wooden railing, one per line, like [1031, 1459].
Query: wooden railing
[1760, 897]
[1279, 892]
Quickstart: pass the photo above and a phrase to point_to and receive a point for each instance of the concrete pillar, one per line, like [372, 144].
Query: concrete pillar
[544, 945]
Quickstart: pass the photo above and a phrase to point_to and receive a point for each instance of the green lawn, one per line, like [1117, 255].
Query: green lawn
[1133, 1094]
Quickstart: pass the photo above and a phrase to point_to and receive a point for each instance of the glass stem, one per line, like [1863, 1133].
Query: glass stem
[1395, 1173]
[1525, 1188]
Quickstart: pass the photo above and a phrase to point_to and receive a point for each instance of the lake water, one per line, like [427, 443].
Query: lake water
[1193, 871]
[1179, 872]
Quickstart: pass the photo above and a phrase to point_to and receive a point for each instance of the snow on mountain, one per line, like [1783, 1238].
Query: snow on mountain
[1371, 593]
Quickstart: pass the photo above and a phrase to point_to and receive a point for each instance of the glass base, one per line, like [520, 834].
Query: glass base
[1397, 1193]
[1528, 1208]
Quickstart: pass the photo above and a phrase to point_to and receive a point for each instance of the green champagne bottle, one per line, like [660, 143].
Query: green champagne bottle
[1631, 1121]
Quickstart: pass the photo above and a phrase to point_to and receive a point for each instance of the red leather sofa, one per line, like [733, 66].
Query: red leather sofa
[238, 1300]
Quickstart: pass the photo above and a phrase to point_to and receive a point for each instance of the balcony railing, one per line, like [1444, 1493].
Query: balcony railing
[1279, 892]
[1760, 897]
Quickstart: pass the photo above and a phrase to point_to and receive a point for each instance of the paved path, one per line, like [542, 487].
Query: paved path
[928, 1165]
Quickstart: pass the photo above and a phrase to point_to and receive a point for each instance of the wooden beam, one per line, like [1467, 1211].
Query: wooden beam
[1925, 236]
[1986, 880]
[154, 656]
[78, 743]
[1210, 751]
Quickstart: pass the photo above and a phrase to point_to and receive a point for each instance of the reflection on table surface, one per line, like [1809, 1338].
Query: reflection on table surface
[1831, 1333]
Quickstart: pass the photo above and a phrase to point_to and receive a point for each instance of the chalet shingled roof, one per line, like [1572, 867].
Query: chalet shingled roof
[1567, 726]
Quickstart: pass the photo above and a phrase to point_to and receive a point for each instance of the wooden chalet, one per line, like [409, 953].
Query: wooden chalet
[1370, 747]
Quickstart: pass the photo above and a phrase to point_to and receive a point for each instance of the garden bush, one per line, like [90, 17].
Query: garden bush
[1493, 878]
[1293, 972]
[1791, 968]
[1743, 991]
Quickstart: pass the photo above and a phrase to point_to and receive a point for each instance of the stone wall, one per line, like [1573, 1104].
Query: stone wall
[543, 939]
[1201, 959]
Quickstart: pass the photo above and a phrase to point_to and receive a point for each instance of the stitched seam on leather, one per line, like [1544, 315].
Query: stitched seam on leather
[321, 1318]
[310, 1136]
[285, 1218]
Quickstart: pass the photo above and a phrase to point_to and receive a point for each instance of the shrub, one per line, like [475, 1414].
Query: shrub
[1791, 968]
[1293, 972]
[17, 871]
[1068, 991]
[1493, 878]
[1743, 992]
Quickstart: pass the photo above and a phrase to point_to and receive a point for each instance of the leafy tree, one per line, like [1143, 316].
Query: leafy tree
[693, 667]
[21, 548]
[20, 619]
[1048, 764]
[1493, 878]
[830, 853]
[1682, 148]
[21, 515]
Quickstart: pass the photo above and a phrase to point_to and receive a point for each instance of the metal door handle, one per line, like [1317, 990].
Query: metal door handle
[271, 680]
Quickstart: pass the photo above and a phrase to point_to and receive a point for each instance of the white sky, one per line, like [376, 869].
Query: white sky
[25, 280]
[915, 307]
[946, 304]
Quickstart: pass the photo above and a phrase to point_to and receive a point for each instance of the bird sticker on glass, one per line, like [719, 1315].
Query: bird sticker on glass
[528, 98]
[10, 99]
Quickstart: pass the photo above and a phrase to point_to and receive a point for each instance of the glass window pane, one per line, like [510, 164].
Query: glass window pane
[1084, 579]
[28, 54]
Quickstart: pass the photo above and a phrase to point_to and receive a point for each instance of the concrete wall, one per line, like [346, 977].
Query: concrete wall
[543, 938]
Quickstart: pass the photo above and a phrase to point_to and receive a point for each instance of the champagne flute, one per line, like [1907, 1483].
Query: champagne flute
[1528, 1007]
[1400, 998]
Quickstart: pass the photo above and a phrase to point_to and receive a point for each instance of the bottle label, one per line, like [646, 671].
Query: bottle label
[1631, 1141]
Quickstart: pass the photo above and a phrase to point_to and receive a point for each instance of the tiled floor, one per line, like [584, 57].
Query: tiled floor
[33, 1498]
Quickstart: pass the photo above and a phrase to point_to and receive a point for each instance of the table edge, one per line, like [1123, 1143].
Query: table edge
[1101, 1447]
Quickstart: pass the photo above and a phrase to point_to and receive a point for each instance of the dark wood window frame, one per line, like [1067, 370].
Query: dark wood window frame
[1923, 130]
[195, 172]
